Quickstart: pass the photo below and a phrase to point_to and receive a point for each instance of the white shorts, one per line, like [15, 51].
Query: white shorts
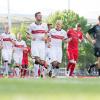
[38, 49]
[7, 55]
[56, 54]
[18, 58]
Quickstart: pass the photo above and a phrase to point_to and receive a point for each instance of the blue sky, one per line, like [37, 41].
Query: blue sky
[87, 8]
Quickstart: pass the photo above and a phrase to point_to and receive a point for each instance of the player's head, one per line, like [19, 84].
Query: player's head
[78, 27]
[38, 16]
[6, 28]
[99, 18]
[59, 24]
[49, 26]
[19, 36]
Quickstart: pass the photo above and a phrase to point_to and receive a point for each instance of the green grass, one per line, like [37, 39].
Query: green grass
[50, 89]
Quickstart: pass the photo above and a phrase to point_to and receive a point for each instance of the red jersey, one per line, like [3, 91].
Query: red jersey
[75, 36]
[25, 56]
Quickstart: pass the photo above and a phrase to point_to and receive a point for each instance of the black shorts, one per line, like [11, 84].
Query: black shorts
[97, 52]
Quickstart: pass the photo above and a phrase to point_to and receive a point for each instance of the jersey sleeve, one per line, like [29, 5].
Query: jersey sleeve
[68, 33]
[92, 30]
[81, 36]
[50, 32]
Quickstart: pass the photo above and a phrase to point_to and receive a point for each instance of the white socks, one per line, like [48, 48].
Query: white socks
[6, 68]
[17, 70]
[36, 69]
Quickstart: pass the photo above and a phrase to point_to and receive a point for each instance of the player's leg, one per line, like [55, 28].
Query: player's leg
[70, 62]
[98, 66]
[23, 70]
[48, 60]
[17, 64]
[43, 68]
[5, 57]
[43, 63]
[58, 59]
[36, 67]
[75, 54]
[91, 66]
[97, 54]
[10, 55]
[36, 58]
[54, 63]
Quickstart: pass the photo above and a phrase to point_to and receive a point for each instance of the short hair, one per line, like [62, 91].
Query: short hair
[59, 22]
[99, 18]
[78, 25]
[18, 34]
[49, 24]
[37, 13]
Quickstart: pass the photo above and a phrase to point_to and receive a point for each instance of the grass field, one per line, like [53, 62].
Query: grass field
[50, 89]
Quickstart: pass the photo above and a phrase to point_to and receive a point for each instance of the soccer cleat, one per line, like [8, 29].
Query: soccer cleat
[67, 73]
[89, 69]
[50, 73]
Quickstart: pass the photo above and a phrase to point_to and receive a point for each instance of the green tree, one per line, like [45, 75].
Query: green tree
[22, 29]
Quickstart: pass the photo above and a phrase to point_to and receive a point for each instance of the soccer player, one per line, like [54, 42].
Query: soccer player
[57, 35]
[38, 33]
[75, 36]
[7, 43]
[19, 47]
[26, 52]
[95, 32]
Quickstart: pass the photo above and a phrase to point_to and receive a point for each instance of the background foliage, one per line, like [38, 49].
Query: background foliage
[70, 19]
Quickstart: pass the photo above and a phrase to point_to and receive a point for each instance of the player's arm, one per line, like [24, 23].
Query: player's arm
[28, 36]
[1, 46]
[25, 46]
[28, 32]
[13, 40]
[68, 38]
[81, 38]
[1, 42]
[49, 38]
[88, 36]
[45, 38]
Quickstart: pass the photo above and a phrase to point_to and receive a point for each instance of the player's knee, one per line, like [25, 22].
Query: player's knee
[5, 61]
[42, 62]
[72, 61]
[58, 65]
[54, 64]
[37, 60]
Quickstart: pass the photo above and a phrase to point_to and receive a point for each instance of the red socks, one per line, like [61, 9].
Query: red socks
[71, 67]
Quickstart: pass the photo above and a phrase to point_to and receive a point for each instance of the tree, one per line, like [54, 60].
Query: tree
[22, 29]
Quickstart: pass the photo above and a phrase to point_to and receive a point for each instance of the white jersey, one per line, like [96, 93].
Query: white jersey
[38, 31]
[6, 41]
[57, 37]
[20, 45]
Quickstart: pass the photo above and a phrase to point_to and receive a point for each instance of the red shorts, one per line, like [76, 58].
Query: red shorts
[25, 62]
[72, 54]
